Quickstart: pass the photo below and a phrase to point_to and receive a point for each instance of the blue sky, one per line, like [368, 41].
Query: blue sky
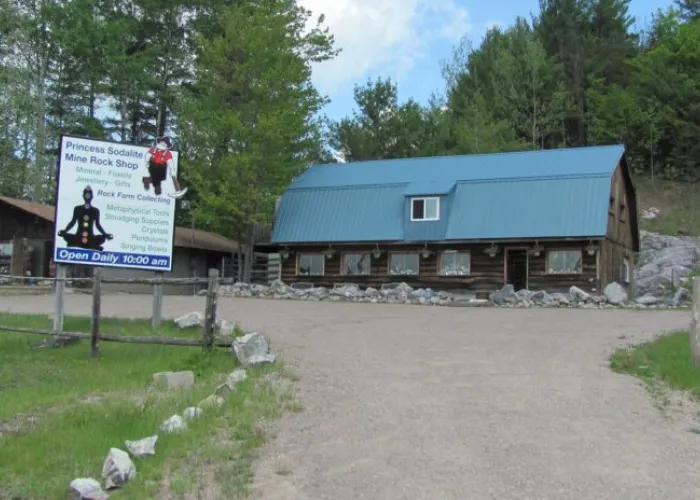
[408, 39]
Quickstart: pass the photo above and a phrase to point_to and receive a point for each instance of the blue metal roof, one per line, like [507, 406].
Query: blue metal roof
[420, 188]
[337, 214]
[522, 164]
[532, 208]
[551, 193]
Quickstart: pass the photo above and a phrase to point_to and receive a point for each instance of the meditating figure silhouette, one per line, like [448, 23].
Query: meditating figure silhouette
[85, 216]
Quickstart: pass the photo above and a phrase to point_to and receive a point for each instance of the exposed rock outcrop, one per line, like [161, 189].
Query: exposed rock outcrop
[664, 263]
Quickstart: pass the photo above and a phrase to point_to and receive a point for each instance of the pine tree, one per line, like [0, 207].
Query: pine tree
[247, 123]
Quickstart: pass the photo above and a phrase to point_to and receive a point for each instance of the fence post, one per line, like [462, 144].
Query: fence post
[694, 332]
[58, 298]
[210, 310]
[96, 306]
[157, 302]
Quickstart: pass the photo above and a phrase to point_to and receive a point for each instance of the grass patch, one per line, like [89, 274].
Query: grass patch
[61, 412]
[665, 361]
[679, 203]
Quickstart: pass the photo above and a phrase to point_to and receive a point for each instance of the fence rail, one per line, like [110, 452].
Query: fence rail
[138, 281]
[129, 339]
[208, 340]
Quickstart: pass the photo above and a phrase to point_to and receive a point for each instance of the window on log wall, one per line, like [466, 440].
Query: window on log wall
[564, 261]
[356, 264]
[454, 263]
[310, 264]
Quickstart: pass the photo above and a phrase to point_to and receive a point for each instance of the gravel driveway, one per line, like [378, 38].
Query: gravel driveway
[427, 403]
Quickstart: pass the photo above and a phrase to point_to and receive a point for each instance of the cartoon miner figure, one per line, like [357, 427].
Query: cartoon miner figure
[160, 166]
[85, 216]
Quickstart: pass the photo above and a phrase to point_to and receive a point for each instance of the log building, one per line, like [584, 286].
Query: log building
[538, 220]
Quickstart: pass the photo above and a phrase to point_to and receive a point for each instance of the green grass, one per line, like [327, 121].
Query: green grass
[665, 360]
[64, 411]
[678, 202]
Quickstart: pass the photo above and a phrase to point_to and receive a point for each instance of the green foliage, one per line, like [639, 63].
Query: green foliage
[246, 123]
[382, 128]
[51, 397]
[133, 70]
[666, 359]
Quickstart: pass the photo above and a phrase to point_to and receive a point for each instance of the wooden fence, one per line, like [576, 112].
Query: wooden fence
[265, 268]
[208, 340]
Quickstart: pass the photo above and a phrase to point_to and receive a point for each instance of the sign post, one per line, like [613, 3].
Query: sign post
[157, 315]
[59, 290]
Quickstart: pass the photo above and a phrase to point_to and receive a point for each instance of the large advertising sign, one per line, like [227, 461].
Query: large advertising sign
[116, 204]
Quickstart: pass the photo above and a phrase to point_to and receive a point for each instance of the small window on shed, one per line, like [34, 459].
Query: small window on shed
[425, 208]
[311, 264]
[404, 264]
[626, 270]
[564, 261]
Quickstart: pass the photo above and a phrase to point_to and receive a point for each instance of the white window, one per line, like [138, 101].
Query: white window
[425, 208]
[356, 264]
[626, 270]
[564, 261]
[454, 263]
[404, 264]
[311, 264]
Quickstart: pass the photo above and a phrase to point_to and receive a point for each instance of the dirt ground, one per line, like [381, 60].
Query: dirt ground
[405, 402]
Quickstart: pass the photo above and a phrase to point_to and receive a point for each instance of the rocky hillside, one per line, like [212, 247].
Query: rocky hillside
[670, 244]
[665, 263]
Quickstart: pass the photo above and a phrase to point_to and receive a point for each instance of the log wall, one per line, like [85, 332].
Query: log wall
[617, 248]
[487, 273]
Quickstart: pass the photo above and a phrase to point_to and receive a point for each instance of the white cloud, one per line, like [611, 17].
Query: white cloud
[387, 36]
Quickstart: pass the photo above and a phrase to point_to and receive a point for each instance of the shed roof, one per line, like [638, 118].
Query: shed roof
[184, 237]
[593, 160]
[45, 212]
[530, 194]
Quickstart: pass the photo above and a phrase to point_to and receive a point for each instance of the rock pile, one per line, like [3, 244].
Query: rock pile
[614, 295]
[394, 293]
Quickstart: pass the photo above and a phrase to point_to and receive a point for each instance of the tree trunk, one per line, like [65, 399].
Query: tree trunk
[40, 127]
[91, 100]
[250, 256]
[135, 120]
[162, 104]
[124, 122]
[239, 264]
[534, 111]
